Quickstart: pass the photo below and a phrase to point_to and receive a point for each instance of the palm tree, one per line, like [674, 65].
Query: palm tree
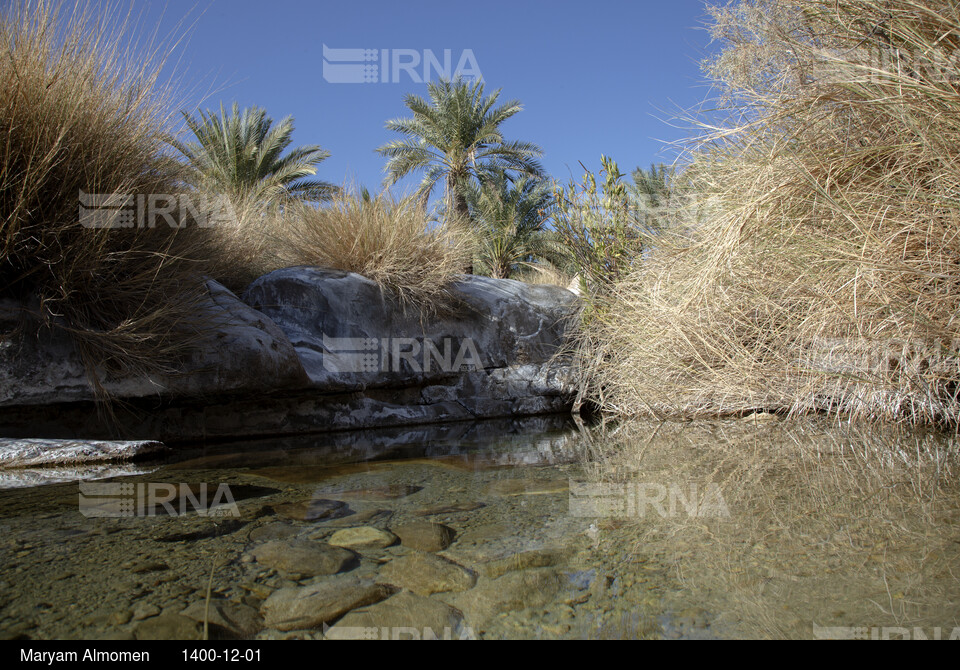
[509, 221]
[241, 155]
[456, 138]
[652, 190]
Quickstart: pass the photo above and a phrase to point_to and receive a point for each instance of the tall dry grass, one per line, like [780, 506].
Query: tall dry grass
[82, 112]
[546, 274]
[390, 241]
[821, 268]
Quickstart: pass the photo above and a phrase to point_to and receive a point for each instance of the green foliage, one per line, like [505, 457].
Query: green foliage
[240, 154]
[598, 229]
[456, 138]
[509, 223]
[652, 190]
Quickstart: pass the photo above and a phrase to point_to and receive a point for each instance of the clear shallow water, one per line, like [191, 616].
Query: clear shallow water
[713, 529]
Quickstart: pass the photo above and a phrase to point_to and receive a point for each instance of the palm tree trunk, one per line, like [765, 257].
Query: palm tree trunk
[457, 203]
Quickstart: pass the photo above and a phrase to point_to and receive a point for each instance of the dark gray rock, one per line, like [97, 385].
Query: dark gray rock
[244, 352]
[310, 350]
[350, 336]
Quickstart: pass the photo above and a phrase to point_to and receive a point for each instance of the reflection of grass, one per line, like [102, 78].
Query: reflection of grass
[829, 525]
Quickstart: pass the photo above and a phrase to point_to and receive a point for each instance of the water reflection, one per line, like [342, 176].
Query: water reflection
[745, 528]
[833, 530]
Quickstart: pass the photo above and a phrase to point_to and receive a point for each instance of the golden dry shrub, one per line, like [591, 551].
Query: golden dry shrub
[82, 115]
[391, 241]
[819, 269]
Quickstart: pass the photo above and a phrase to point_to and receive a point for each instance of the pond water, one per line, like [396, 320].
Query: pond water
[540, 528]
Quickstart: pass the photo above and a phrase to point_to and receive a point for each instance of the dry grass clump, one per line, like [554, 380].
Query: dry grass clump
[250, 244]
[81, 114]
[823, 267]
[547, 275]
[387, 240]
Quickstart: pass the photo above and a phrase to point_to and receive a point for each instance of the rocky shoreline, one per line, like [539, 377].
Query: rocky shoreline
[307, 350]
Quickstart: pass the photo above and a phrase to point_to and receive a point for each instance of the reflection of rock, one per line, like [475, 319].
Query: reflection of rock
[317, 604]
[532, 440]
[31, 462]
[425, 573]
[404, 616]
[424, 535]
[303, 557]
[31, 452]
[21, 478]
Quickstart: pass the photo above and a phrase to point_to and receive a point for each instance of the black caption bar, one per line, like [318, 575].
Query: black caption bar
[53, 653]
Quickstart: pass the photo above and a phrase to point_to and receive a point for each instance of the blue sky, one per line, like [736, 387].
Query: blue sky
[594, 77]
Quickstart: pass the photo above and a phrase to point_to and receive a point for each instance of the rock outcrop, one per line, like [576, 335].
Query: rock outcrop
[242, 352]
[309, 350]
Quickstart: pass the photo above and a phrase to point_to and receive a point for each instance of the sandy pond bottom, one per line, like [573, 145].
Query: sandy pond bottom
[507, 529]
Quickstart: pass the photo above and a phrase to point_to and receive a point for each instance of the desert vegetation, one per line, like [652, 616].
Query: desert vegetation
[801, 257]
[82, 114]
[815, 268]
[388, 240]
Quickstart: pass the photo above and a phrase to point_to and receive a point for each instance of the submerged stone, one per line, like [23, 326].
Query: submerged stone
[236, 620]
[424, 573]
[364, 537]
[317, 604]
[304, 557]
[315, 509]
[425, 535]
[168, 627]
[404, 616]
